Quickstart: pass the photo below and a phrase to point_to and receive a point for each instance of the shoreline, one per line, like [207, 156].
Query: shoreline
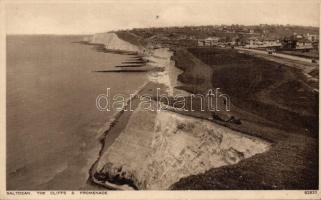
[118, 122]
[120, 119]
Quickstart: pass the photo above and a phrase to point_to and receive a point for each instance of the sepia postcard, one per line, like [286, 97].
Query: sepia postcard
[169, 99]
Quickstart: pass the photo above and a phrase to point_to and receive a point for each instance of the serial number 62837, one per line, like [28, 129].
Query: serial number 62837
[311, 192]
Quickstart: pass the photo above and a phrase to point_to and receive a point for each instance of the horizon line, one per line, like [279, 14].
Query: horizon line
[182, 26]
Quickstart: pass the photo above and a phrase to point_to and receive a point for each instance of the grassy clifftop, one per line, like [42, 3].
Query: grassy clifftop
[273, 103]
[131, 38]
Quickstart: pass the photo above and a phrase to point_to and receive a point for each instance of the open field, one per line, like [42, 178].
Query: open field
[269, 89]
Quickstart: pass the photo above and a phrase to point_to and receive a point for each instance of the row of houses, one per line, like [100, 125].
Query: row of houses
[300, 44]
[308, 36]
[255, 42]
[250, 43]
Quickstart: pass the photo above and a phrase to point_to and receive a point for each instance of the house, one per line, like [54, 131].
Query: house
[253, 42]
[303, 44]
[312, 37]
[200, 43]
[271, 43]
[316, 45]
[299, 36]
[208, 42]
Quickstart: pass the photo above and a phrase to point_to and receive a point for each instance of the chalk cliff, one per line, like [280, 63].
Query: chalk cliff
[168, 147]
[113, 42]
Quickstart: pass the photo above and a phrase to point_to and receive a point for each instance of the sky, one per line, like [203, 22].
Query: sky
[84, 17]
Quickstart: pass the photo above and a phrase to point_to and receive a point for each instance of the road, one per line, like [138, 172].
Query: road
[296, 58]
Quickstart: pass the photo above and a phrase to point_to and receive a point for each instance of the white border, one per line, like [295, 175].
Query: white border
[231, 194]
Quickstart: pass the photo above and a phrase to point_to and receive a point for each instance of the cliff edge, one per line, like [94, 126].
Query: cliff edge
[112, 41]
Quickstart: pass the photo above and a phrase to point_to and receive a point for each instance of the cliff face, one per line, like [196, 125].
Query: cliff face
[168, 147]
[113, 42]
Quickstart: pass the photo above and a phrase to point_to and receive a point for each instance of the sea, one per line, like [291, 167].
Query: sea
[52, 122]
